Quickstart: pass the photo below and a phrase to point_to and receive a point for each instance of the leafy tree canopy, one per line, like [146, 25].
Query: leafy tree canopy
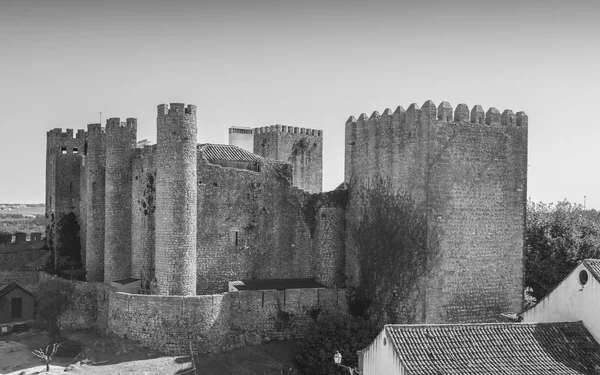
[558, 237]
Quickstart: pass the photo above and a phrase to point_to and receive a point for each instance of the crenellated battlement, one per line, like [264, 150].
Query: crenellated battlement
[288, 129]
[58, 133]
[95, 128]
[115, 123]
[445, 113]
[176, 108]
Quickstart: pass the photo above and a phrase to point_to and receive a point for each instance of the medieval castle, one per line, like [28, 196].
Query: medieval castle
[188, 218]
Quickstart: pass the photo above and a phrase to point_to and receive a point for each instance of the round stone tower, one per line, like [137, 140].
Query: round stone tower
[120, 148]
[95, 165]
[176, 194]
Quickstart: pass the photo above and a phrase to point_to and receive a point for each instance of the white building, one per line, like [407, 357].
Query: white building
[242, 137]
[576, 298]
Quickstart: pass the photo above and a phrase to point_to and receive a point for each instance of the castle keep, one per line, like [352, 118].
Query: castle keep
[188, 218]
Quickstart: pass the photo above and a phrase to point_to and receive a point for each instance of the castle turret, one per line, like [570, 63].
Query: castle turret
[467, 170]
[120, 147]
[176, 199]
[300, 146]
[95, 168]
[63, 168]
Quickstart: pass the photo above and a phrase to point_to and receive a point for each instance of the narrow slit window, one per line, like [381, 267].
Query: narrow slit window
[236, 238]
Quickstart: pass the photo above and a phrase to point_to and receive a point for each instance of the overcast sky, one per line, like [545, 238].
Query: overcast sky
[302, 63]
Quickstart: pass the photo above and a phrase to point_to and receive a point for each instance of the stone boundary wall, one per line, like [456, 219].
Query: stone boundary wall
[26, 245]
[89, 307]
[219, 321]
[27, 279]
[10, 260]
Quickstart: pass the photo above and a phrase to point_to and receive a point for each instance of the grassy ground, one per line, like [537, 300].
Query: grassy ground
[104, 356]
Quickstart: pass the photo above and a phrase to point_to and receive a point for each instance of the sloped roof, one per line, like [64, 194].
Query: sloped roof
[229, 153]
[280, 284]
[12, 286]
[593, 265]
[496, 348]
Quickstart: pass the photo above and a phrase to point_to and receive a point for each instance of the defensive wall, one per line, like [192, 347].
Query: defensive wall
[63, 174]
[262, 227]
[469, 169]
[168, 324]
[302, 147]
[252, 223]
[20, 249]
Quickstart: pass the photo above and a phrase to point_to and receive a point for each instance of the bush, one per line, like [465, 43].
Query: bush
[53, 299]
[333, 332]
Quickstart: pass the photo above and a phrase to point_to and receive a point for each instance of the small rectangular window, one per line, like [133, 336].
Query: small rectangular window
[63, 150]
[75, 150]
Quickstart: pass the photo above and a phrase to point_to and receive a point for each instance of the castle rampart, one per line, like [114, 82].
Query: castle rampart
[302, 147]
[469, 168]
[143, 219]
[95, 168]
[120, 146]
[176, 199]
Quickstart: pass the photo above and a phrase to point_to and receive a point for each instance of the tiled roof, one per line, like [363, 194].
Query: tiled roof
[228, 152]
[13, 286]
[496, 348]
[265, 284]
[593, 265]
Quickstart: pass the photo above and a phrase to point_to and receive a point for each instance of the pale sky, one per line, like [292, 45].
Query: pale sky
[301, 63]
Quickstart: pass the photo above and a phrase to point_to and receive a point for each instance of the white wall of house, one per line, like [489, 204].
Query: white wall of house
[570, 302]
[379, 358]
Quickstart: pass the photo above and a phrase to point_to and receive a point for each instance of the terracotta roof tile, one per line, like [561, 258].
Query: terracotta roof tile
[593, 265]
[228, 152]
[496, 348]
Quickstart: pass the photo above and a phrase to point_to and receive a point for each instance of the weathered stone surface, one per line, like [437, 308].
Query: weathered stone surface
[176, 192]
[472, 180]
[302, 147]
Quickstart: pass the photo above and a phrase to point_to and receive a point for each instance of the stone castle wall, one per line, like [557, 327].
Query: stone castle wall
[120, 146]
[256, 225]
[95, 169]
[301, 147]
[219, 321]
[143, 218]
[470, 171]
[212, 323]
[63, 164]
[176, 192]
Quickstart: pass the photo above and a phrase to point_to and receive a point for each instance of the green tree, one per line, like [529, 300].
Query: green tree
[54, 299]
[397, 248]
[330, 333]
[67, 245]
[558, 237]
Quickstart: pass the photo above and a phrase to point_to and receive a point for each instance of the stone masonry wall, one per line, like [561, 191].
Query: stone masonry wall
[88, 307]
[120, 146]
[301, 147]
[256, 225]
[95, 169]
[143, 219]
[469, 169]
[176, 194]
[216, 322]
[63, 165]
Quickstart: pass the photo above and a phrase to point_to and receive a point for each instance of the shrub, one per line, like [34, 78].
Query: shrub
[333, 332]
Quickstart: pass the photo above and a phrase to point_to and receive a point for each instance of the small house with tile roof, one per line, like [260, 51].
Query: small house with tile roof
[482, 349]
[576, 298]
[16, 304]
